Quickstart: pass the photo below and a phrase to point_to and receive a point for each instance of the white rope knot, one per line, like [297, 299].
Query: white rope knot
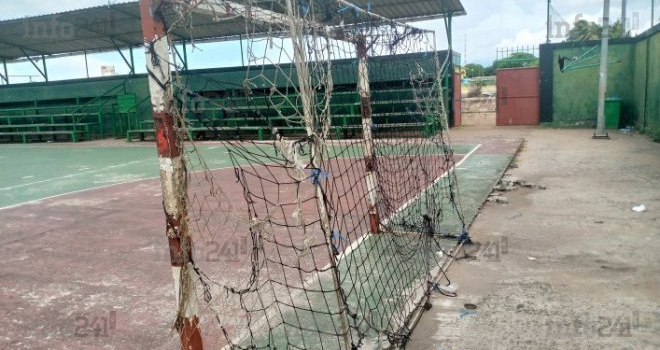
[258, 226]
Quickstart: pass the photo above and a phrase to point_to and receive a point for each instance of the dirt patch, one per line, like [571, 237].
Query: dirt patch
[478, 111]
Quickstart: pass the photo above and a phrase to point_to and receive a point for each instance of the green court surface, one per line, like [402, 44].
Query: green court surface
[33, 172]
[480, 168]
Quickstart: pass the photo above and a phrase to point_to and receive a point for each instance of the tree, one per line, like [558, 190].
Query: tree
[583, 30]
[474, 70]
[517, 60]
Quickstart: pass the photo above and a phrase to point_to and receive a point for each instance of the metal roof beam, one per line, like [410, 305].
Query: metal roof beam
[184, 58]
[24, 48]
[44, 72]
[130, 65]
[100, 34]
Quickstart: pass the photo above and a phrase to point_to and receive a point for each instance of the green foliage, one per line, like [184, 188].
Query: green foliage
[653, 133]
[517, 60]
[483, 81]
[583, 30]
[475, 70]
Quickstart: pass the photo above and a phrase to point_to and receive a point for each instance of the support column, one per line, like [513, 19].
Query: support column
[652, 13]
[130, 50]
[369, 153]
[602, 84]
[449, 73]
[185, 56]
[86, 64]
[240, 40]
[172, 174]
[6, 76]
[43, 61]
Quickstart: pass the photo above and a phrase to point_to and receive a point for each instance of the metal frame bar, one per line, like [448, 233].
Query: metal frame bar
[130, 64]
[130, 50]
[43, 62]
[5, 77]
[183, 58]
[44, 73]
[86, 64]
[23, 49]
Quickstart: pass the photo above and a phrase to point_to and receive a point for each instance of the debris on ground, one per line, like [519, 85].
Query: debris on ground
[627, 130]
[639, 209]
[510, 183]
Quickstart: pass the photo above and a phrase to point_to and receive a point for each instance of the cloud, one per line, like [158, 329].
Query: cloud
[488, 25]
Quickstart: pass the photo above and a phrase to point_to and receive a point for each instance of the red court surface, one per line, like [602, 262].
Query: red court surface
[81, 261]
[90, 270]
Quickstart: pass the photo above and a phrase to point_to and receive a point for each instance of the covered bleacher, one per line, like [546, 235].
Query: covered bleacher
[119, 106]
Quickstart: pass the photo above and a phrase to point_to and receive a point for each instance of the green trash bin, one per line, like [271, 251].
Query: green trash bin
[612, 113]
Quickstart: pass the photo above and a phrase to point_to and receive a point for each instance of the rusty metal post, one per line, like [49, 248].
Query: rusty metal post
[367, 123]
[172, 173]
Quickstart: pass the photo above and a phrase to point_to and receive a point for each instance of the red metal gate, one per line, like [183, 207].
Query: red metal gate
[518, 96]
[456, 100]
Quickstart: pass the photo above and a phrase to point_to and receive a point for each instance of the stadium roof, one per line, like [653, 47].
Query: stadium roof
[117, 26]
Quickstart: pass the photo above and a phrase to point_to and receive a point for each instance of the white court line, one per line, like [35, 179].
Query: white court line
[359, 241]
[316, 277]
[72, 192]
[96, 188]
[73, 175]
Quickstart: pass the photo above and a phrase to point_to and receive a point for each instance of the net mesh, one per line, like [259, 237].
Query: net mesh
[325, 235]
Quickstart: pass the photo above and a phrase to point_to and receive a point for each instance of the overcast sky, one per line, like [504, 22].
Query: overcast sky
[488, 25]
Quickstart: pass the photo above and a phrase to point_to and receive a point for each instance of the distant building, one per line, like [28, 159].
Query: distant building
[108, 71]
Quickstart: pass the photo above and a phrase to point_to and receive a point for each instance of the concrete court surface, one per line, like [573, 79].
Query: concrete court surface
[592, 253]
[570, 267]
[86, 269]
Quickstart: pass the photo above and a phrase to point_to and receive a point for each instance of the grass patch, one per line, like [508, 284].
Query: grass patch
[653, 134]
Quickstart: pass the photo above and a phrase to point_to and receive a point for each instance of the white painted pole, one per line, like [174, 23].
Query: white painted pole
[602, 86]
[549, 25]
[624, 10]
[367, 135]
[172, 174]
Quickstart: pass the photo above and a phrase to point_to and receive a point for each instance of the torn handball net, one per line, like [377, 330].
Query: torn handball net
[331, 231]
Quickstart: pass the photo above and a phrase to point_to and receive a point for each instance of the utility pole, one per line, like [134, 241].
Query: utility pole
[602, 86]
[624, 6]
[465, 56]
[547, 36]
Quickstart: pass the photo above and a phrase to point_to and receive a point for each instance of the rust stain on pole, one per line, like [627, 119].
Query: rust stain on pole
[367, 122]
[172, 173]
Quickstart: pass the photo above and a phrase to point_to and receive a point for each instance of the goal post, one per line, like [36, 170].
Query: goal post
[342, 235]
[172, 174]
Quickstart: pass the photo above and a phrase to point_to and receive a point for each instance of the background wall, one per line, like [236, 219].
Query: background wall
[633, 76]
